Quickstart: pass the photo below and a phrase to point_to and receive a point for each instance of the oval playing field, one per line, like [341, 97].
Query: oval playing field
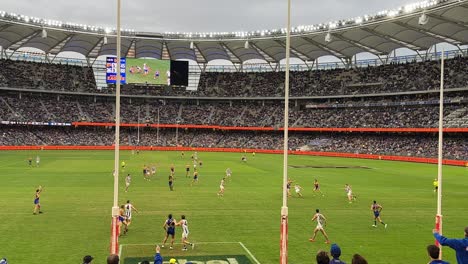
[77, 201]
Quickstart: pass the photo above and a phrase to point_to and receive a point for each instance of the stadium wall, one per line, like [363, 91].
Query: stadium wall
[266, 151]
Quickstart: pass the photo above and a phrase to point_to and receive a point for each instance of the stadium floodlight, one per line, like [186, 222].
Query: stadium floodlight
[392, 13]
[358, 20]
[328, 37]
[246, 44]
[44, 33]
[423, 19]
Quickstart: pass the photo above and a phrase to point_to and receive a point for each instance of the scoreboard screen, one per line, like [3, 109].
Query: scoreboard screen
[148, 71]
[111, 70]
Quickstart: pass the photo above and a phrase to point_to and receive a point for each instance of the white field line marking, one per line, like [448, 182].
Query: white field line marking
[240, 243]
[201, 243]
[250, 253]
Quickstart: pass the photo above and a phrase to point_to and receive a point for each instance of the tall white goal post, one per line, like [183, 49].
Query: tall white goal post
[115, 208]
[284, 208]
[438, 222]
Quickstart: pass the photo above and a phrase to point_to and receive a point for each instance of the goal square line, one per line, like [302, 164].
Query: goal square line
[209, 252]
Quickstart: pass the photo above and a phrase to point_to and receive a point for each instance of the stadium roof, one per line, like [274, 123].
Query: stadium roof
[417, 27]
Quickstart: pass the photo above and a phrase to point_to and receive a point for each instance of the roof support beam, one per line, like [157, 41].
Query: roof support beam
[98, 44]
[399, 42]
[4, 27]
[230, 52]
[61, 42]
[355, 43]
[294, 51]
[461, 51]
[419, 54]
[64, 45]
[311, 66]
[165, 47]
[428, 33]
[23, 40]
[447, 19]
[130, 47]
[198, 51]
[332, 51]
[267, 58]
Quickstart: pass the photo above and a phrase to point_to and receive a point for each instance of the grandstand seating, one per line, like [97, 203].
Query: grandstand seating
[390, 111]
[391, 78]
[58, 108]
[46, 76]
[456, 146]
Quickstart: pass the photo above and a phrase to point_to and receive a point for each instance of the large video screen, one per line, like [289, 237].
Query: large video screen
[150, 71]
[111, 70]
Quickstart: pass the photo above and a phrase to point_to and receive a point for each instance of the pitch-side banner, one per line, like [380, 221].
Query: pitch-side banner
[111, 70]
[34, 123]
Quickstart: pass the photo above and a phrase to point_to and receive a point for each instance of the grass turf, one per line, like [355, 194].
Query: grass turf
[154, 65]
[78, 193]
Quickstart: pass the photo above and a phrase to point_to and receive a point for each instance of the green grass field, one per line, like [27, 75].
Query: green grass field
[77, 202]
[154, 65]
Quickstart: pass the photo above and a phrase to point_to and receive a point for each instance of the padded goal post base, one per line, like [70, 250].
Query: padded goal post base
[114, 241]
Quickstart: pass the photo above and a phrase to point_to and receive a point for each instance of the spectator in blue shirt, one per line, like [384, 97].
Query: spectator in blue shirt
[434, 253]
[335, 252]
[157, 257]
[459, 245]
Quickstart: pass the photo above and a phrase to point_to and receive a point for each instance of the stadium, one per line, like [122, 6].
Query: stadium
[377, 102]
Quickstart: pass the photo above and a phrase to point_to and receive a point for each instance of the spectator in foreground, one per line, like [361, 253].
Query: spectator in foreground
[113, 259]
[459, 245]
[335, 252]
[434, 253]
[358, 259]
[87, 259]
[322, 258]
[157, 257]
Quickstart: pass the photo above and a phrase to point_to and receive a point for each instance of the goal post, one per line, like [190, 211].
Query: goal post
[114, 240]
[438, 223]
[284, 208]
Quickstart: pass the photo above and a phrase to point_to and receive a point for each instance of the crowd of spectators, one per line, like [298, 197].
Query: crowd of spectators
[60, 108]
[418, 76]
[390, 78]
[46, 76]
[416, 145]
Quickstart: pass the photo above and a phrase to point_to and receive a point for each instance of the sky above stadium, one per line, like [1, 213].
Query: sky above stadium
[202, 15]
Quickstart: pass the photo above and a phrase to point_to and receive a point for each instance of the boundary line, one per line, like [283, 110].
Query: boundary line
[248, 252]
[202, 243]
